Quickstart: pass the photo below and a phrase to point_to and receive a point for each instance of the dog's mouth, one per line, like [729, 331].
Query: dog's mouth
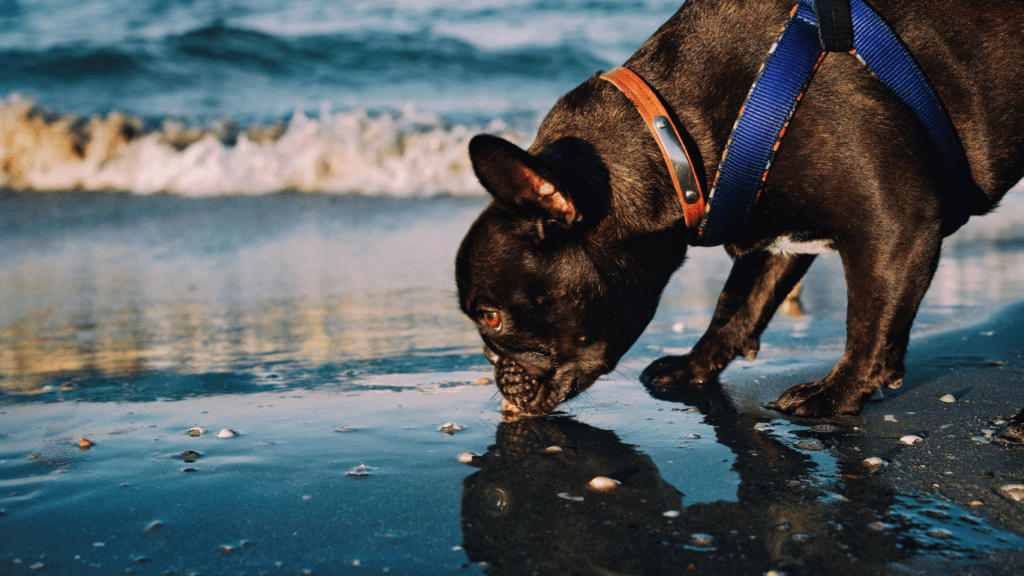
[526, 395]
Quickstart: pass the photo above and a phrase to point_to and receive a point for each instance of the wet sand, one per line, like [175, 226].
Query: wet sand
[128, 321]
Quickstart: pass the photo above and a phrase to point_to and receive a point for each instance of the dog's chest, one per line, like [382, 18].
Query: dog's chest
[787, 245]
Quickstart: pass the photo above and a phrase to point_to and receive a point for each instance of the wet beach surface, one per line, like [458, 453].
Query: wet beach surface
[324, 331]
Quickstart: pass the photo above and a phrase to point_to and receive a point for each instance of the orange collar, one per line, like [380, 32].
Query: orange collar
[677, 157]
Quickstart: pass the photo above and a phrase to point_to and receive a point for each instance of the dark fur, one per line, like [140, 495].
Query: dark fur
[576, 276]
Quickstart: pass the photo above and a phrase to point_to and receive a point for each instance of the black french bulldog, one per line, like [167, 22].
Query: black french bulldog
[564, 269]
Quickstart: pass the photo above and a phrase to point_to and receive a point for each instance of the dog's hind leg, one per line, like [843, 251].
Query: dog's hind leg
[886, 280]
[757, 284]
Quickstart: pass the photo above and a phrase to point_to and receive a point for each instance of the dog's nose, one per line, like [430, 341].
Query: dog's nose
[492, 356]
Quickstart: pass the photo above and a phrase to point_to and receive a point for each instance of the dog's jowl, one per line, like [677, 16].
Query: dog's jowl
[564, 269]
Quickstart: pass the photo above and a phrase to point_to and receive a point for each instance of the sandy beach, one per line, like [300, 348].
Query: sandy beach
[329, 341]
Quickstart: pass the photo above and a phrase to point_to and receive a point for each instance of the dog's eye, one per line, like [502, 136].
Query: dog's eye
[492, 318]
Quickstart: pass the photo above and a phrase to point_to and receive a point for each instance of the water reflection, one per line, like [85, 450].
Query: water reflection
[529, 509]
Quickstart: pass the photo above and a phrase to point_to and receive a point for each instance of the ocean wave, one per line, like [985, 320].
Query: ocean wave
[407, 153]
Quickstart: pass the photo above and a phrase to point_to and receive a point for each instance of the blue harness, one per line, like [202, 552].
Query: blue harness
[774, 97]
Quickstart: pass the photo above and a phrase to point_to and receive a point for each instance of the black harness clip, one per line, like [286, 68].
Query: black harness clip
[835, 25]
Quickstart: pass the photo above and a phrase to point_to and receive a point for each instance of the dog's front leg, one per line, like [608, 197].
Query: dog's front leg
[886, 280]
[757, 284]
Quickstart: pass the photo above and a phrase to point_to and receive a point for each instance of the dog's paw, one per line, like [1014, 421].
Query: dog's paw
[819, 399]
[678, 371]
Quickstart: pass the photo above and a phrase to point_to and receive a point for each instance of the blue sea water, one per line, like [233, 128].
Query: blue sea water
[370, 74]
[262, 60]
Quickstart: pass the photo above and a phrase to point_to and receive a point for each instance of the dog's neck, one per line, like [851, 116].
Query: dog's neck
[697, 75]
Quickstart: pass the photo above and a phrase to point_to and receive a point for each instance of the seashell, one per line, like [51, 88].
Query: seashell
[360, 471]
[195, 432]
[874, 462]
[189, 455]
[948, 399]
[604, 483]
[670, 514]
[941, 533]
[879, 526]
[451, 428]
[679, 327]
[702, 540]
[553, 449]
[225, 433]
[84, 444]
[467, 457]
[344, 428]
[482, 381]
[977, 503]
[762, 426]
[890, 418]
[911, 439]
[1014, 492]
[981, 439]
[692, 436]
[567, 496]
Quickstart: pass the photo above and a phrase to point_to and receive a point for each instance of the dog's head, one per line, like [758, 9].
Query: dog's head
[558, 284]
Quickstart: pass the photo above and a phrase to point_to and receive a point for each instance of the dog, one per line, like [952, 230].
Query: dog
[563, 270]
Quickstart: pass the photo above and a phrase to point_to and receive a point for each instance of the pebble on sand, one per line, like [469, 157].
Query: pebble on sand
[810, 444]
[225, 433]
[874, 462]
[911, 439]
[702, 540]
[876, 396]
[948, 399]
[890, 418]
[467, 457]
[451, 428]
[670, 514]
[84, 444]
[553, 449]
[1014, 492]
[567, 496]
[195, 432]
[602, 483]
[360, 471]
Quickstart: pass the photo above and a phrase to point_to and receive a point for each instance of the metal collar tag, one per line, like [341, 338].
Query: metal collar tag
[678, 160]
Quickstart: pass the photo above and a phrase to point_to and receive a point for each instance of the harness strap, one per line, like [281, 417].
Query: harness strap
[658, 121]
[791, 63]
[757, 134]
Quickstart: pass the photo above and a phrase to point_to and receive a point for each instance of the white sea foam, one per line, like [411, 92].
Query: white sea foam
[407, 153]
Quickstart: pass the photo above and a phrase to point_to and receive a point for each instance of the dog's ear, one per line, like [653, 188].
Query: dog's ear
[520, 181]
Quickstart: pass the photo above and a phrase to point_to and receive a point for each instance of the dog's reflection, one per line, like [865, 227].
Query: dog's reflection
[530, 508]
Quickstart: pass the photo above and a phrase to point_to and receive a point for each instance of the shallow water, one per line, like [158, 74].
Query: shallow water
[128, 320]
